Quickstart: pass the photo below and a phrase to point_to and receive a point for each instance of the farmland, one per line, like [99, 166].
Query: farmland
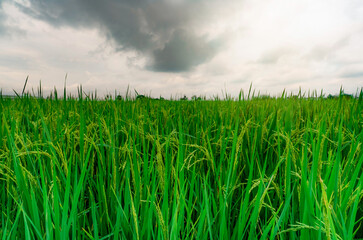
[257, 168]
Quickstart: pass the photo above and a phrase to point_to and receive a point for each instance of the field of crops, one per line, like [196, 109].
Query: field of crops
[262, 168]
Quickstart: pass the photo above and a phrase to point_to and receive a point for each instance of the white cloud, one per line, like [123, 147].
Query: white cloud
[274, 45]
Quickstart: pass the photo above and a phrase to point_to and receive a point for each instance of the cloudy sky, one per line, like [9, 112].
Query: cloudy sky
[177, 47]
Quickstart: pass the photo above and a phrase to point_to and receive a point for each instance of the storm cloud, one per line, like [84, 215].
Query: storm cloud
[182, 52]
[166, 33]
[177, 47]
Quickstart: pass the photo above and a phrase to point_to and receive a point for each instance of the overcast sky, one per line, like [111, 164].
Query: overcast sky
[177, 47]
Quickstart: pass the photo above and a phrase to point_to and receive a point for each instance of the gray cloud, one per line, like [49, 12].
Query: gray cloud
[162, 31]
[7, 29]
[352, 74]
[319, 53]
[273, 56]
[15, 62]
[3, 28]
[182, 52]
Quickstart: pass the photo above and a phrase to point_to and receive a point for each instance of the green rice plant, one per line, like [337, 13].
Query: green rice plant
[252, 168]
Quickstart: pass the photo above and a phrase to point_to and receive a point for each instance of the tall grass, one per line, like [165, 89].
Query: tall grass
[279, 168]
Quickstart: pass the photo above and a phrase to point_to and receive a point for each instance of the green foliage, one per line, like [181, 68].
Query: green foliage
[256, 168]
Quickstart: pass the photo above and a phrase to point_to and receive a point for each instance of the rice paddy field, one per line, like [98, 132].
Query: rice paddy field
[250, 168]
